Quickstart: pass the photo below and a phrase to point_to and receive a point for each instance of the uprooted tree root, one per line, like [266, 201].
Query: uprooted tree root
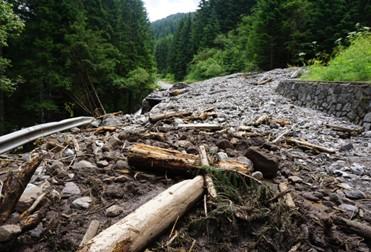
[242, 217]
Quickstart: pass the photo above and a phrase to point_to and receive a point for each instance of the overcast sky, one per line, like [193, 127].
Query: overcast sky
[158, 9]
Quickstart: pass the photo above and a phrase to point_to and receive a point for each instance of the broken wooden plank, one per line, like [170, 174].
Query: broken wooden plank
[14, 186]
[136, 230]
[311, 146]
[158, 117]
[353, 130]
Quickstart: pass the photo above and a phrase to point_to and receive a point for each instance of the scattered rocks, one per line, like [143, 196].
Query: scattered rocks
[355, 194]
[82, 203]
[70, 188]
[263, 162]
[114, 211]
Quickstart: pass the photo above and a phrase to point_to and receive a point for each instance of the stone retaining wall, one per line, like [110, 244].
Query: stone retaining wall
[349, 100]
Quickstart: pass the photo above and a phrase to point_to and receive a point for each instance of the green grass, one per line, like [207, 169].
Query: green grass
[349, 64]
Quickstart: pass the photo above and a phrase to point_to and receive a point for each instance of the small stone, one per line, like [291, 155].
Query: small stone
[355, 194]
[222, 156]
[57, 165]
[224, 144]
[83, 164]
[75, 130]
[36, 232]
[345, 186]
[245, 160]
[213, 150]
[347, 147]
[258, 175]
[114, 211]
[102, 163]
[184, 144]
[69, 152]
[357, 169]
[9, 231]
[121, 164]
[28, 196]
[178, 121]
[70, 188]
[310, 196]
[111, 121]
[334, 197]
[82, 203]
[350, 209]
[95, 123]
[295, 179]
[263, 161]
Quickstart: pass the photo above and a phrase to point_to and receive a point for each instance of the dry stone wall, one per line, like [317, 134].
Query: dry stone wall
[349, 100]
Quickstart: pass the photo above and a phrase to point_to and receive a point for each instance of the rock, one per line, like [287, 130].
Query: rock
[258, 175]
[82, 203]
[70, 188]
[102, 163]
[264, 162]
[349, 209]
[7, 232]
[224, 144]
[121, 165]
[184, 144]
[222, 156]
[178, 121]
[114, 191]
[357, 169]
[245, 160]
[213, 149]
[111, 121]
[69, 152]
[114, 211]
[28, 197]
[344, 186]
[37, 232]
[75, 130]
[95, 123]
[337, 199]
[346, 147]
[355, 194]
[310, 196]
[84, 165]
[295, 179]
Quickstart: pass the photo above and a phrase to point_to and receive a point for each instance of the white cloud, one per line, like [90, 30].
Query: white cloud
[158, 9]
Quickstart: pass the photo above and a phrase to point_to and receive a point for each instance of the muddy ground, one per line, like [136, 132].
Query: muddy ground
[88, 177]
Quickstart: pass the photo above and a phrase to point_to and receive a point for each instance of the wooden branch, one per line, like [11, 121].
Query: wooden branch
[136, 230]
[150, 158]
[208, 180]
[162, 116]
[200, 126]
[261, 120]
[105, 129]
[14, 186]
[90, 232]
[357, 227]
[288, 198]
[310, 146]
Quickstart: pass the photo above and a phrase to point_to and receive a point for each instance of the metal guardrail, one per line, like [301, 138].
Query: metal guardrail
[21, 137]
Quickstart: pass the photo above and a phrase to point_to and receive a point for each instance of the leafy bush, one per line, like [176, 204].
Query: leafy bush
[206, 64]
[351, 63]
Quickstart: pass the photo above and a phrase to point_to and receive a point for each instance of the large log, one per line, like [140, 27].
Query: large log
[155, 159]
[137, 229]
[14, 186]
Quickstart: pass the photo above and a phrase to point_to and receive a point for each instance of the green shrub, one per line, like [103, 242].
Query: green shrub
[206, 64]
[351, 63]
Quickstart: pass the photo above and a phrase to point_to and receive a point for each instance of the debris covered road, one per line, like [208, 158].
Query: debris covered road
[297, 180]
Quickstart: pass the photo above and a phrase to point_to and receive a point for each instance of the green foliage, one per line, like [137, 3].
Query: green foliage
[351, 63]
[167, 26]
[10, 25]
[206, 64]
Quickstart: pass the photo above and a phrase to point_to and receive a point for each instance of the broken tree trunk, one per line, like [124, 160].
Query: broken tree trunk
[208, 180]
[14, 186]
[137, 229]
[157, 159]
[354, 226]
[310, 146]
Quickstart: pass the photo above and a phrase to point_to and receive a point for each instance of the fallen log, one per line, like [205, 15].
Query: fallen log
[354, 226]
[158, 117]
[137, 229]
[151, 158]
[14, 186]
[354, 130]
[310, 146]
